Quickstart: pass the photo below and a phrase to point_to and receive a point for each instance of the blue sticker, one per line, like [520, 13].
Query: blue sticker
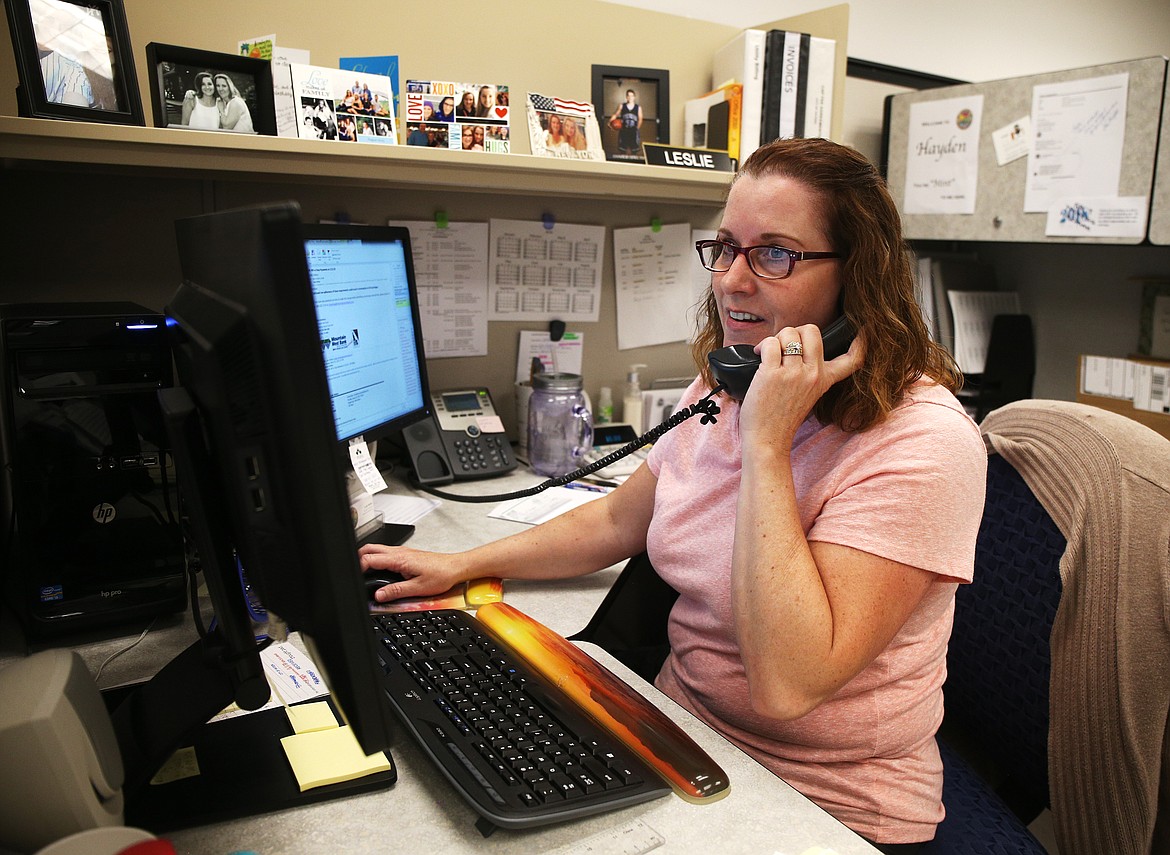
[49, 593]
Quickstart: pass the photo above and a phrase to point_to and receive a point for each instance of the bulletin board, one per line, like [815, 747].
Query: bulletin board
[999, 213]
[1160, 209]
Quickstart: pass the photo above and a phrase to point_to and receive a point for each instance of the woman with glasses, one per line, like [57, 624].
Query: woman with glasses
[818, 531]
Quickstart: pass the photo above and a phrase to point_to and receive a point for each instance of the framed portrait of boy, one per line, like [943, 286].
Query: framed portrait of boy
[633, 107]
[74, 61]
[208, 91]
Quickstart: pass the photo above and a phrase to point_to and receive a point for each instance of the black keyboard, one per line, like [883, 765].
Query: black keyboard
[520, 752]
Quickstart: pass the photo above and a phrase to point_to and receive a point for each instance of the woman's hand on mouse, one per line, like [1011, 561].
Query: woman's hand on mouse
[424, 574]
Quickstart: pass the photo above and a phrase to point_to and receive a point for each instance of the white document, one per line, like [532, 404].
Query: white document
[653, 276]
[265, 47]
[1013, 140]
[450, 271]
[1116, 216]
[402, 509]
[942, 156]
[973, 313]
[564, 356]
[363, 465]
[548, 504]
[1078, 134]
[544, 274]
[700, 282]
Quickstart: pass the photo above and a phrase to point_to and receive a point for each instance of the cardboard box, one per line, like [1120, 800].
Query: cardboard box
[1159, 422]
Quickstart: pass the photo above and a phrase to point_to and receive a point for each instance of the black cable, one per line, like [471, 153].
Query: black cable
[705, 407]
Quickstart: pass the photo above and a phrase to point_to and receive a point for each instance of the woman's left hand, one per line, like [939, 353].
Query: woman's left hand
[788, 385]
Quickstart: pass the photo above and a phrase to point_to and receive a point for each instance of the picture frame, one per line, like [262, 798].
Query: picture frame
[176, 71]
[74, 61]
[621, 140]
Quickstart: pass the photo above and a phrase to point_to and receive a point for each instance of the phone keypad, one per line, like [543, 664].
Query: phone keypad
[483, 453]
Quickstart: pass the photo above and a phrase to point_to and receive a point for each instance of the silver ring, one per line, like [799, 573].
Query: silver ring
[793, 348]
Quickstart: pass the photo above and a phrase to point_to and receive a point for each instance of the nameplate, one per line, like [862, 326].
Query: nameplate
[704, 159]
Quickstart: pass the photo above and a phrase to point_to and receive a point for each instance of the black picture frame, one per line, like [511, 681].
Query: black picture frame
[173, 70]
[88, 77]
[652, 90]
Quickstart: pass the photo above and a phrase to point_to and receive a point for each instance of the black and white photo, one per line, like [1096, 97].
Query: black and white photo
[203, 90]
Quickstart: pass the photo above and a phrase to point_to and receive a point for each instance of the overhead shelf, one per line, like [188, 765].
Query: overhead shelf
[29, 143]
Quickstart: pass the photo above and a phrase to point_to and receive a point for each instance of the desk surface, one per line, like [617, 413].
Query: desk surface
[421, 813]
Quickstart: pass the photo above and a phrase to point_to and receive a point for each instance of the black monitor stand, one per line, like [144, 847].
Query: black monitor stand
[242, 769]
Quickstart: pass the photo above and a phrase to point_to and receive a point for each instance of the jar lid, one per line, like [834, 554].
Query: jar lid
[559, 382]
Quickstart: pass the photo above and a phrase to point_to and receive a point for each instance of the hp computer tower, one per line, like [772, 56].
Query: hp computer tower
[91, 533]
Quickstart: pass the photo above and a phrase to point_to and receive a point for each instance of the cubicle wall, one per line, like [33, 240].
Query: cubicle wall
[1160, 209]
[999, 213]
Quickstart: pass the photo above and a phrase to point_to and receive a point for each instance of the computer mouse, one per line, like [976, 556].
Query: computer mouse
[379, 579]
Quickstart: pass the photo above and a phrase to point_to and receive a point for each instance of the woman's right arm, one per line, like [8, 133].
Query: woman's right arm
[588, 538]
[188, 106]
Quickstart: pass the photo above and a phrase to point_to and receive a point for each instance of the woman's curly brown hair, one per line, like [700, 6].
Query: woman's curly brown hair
[877, 282]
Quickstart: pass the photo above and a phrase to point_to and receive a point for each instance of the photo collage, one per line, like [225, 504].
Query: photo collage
[342, 105]
[467, 116]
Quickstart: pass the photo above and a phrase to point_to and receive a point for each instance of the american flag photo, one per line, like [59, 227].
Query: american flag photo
[561, 127]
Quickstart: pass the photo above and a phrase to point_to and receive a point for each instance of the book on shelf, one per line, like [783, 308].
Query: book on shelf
[712, 120]
[797, 98]
[343, 105]
[453, 115]
[741, 61]
[938, 275]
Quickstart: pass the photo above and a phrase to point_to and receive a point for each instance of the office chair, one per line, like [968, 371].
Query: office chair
[1059, 662]
[630, 623]
[1075, 494]
[1010, 366]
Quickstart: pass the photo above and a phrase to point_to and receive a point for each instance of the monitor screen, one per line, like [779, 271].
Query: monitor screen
[247, 346]
[367, 315]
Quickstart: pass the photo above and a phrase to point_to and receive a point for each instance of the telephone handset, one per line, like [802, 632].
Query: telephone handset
[735, 365]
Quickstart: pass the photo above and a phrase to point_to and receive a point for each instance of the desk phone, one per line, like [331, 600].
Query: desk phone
[472, 433]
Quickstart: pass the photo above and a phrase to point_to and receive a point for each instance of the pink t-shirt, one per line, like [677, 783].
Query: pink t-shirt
[909, 489]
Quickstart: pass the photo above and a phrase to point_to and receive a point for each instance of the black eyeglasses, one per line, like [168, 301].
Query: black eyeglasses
[767, 262]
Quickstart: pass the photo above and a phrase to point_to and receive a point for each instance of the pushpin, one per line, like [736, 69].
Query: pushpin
[549, 221]
[441, 219]
[656, 225]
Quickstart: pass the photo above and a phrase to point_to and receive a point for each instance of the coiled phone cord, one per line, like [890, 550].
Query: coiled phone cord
[705, 407]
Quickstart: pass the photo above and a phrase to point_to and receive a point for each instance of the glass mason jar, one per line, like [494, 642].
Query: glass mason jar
[560, 427]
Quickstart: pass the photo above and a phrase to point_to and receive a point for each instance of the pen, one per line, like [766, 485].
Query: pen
[576, 485]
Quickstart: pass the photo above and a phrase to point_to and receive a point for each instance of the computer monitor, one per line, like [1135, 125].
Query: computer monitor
[255, 442]
[364, 292]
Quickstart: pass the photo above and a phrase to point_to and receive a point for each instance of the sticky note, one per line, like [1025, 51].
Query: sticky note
[305, 718]
[182, 764]
[330, 756]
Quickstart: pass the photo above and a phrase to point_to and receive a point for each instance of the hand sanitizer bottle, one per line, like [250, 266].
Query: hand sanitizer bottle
[604, 406]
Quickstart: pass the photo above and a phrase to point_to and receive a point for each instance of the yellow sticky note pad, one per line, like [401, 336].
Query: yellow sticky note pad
[330, 756]
[305, 718]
